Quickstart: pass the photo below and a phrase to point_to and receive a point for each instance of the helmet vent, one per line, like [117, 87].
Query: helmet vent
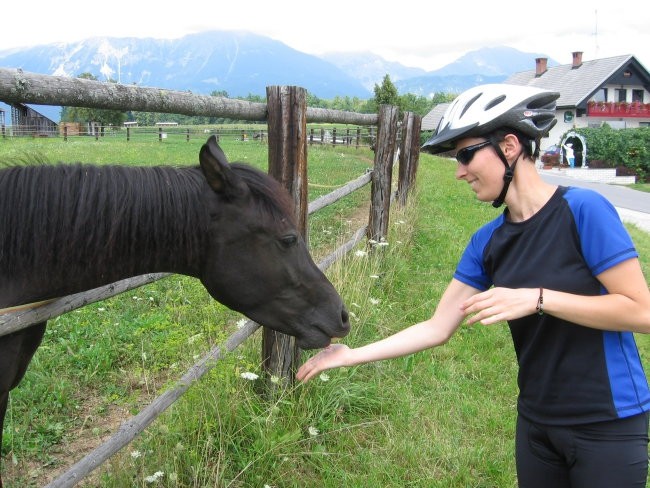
[495, 102]
[469, 103]
[546, 102]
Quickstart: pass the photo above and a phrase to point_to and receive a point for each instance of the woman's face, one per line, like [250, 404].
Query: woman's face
[483, 171]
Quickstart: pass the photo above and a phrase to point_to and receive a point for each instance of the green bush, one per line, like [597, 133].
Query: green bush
[624, 147]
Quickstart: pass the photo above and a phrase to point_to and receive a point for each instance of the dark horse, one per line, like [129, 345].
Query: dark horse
[70, 228]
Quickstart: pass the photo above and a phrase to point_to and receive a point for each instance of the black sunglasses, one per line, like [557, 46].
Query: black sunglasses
[466, 154]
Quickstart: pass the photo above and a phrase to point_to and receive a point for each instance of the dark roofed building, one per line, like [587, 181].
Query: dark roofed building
[613, 90]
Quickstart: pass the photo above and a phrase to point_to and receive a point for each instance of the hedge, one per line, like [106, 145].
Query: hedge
[620, 147]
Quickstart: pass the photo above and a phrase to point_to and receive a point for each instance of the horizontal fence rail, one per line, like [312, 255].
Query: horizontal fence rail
[17, 86]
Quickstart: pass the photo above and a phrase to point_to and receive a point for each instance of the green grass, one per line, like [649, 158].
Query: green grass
[439, 418]
[641, 187]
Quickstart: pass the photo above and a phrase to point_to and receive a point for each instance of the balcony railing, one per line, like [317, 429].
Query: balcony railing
[618, 109]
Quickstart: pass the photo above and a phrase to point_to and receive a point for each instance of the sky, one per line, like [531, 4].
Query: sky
[415, 33]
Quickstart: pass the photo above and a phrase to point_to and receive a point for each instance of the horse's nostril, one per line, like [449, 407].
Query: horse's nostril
[345, 318]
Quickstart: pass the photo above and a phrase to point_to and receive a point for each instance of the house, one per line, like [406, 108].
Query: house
[26, 121]
[613, 90]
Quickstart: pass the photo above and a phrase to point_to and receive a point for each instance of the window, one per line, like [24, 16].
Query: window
[600, 95]
[621, 94]
[637, 96]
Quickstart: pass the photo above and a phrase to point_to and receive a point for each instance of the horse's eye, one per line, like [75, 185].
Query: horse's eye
[289, 240]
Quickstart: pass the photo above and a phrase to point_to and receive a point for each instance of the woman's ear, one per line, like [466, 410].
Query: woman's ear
[511, 146]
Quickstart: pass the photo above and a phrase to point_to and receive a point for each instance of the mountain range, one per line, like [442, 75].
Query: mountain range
[241, 63]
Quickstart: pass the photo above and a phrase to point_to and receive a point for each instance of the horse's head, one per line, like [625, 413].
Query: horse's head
[256, 260]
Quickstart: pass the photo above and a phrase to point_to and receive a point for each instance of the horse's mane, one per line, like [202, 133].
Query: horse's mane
[275, 202]
[54, 215]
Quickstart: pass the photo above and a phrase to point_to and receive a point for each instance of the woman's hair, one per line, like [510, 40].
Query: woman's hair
[530, 146]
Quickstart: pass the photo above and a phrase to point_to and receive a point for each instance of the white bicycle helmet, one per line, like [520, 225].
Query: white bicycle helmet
[485, 108]
[480, 111]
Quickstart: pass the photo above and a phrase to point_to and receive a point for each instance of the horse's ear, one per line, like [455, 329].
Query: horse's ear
[218, 172]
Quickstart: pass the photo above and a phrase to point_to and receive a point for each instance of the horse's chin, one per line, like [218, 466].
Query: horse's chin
[313, 342]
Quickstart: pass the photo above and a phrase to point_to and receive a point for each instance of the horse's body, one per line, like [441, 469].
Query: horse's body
[70, 228]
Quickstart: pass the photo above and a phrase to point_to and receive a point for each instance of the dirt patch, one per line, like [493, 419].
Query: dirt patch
[94, 430]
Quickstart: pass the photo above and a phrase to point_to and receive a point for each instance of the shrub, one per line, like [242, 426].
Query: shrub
[624, 148]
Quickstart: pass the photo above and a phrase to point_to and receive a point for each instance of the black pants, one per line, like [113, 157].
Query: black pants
[610, 454]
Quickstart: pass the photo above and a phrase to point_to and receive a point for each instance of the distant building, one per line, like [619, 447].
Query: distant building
[612, 90]
[28, 122]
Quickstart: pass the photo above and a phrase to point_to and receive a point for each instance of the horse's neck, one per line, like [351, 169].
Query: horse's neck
[158, 236]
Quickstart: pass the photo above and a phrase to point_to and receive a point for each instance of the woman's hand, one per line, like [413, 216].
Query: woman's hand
[500, 304]
[333, 356]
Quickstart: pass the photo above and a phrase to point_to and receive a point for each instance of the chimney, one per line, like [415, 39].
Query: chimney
[540, 66]
[577, 59]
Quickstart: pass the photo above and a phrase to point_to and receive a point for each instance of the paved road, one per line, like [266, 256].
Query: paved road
[632, 205]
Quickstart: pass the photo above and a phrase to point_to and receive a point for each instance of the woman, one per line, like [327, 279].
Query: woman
[560, 268]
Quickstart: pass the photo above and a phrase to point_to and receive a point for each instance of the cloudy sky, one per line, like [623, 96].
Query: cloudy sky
[427, 35]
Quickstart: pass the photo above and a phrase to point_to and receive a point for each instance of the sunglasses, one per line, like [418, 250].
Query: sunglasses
[466, 154]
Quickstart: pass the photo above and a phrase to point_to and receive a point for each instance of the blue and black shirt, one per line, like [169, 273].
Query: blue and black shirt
[568, 374]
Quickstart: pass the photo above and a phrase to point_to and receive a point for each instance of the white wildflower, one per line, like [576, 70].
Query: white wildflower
[324, 377]
[136, 454]
[194, 338]
[372, 242]
[382, 244]
[374, 277]
[374, 301]
[360, 253]
[275, 379]
[249, 376]
[313, 431]
[101, 309]
[154, 477]
[241, 323]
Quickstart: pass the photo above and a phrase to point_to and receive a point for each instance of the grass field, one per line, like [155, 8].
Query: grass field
[439, 418]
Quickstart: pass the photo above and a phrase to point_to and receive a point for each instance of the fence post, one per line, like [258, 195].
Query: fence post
[409, 155]
[287, 140]
[383, 171]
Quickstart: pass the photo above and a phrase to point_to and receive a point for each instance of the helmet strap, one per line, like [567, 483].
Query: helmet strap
[507, 176]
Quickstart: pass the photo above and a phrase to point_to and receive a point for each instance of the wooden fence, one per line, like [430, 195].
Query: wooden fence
[286, 115]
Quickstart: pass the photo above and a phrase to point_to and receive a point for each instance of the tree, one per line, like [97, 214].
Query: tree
[386, 94]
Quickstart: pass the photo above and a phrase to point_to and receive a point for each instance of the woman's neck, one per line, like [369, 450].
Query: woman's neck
[528, 193]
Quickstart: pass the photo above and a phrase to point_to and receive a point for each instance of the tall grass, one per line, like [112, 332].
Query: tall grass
[439, 418]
